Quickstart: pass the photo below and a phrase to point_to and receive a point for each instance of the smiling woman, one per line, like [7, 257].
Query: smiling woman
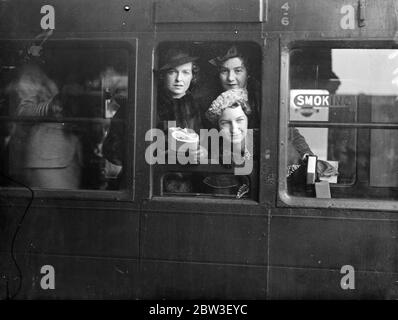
[183, 99]
[230, 111]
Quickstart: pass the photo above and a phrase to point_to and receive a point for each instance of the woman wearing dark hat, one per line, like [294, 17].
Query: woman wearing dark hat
[234, 73]
[177, 73]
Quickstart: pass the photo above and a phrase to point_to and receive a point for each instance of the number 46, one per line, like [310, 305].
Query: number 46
[285, 18]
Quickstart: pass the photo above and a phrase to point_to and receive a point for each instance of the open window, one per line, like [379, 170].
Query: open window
[344, 110]
[59, 103]
[181, 109]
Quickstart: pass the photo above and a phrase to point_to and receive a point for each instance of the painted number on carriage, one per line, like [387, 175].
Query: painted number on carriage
[285, 14]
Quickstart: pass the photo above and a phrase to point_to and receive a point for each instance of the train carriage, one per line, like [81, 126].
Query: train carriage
[78, 224]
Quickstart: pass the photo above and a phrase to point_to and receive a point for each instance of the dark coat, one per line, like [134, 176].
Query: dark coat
[186, 111]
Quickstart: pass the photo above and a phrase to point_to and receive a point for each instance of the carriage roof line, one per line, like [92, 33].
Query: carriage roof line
[338, 18]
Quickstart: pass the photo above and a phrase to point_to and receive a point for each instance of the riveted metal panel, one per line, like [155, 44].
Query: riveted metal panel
[344, 17]
[208, 11]
[24, 16]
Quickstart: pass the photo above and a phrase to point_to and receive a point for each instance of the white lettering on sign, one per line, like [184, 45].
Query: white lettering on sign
[311, 100]
[348, 20]
[48, 20]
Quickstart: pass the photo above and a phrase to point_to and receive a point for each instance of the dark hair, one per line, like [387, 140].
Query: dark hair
[243, 58]
[245, 62]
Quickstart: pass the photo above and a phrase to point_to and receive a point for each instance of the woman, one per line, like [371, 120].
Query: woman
[233, 73]
[178, 72]
[176, 75]
[230, 113]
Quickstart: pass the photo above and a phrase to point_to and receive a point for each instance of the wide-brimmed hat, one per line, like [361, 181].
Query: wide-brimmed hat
[232, 52]
[175, 57]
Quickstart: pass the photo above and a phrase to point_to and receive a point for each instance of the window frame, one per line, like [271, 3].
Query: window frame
[159, 170]
[127, 194]
[284, 198]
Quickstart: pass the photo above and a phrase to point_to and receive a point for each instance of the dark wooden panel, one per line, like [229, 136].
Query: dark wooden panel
[72, 231]
[315, 15]
[5, 260]
[177, 11]
[194, 204]
[291, 283]
[75, 278]
[76, 16]
[367, 245]
[206, 238]
[201, 281]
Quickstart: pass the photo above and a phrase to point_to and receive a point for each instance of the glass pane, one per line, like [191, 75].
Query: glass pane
[190, 76]
[335, 97]
[342, 85]
[57, 108]
[336, 146]
[366, 169]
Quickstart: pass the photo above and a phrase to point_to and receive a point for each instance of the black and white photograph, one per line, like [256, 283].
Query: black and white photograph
[208, 152]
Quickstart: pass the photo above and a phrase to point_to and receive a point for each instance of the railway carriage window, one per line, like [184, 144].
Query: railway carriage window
[56, 107]
[207, 106]
[343, 109]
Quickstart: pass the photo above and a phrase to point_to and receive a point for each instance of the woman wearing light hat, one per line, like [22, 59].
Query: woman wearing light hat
[233, 72]
[230, 113]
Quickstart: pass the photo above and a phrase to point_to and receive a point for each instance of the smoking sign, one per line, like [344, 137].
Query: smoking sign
[308, 103]
[314, 105]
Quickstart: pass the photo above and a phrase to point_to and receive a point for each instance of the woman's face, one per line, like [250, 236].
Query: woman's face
[233, 74]
[178, 80]
[233, 124]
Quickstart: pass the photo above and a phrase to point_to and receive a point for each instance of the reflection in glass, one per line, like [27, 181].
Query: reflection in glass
[55, 111]
[344, 104]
